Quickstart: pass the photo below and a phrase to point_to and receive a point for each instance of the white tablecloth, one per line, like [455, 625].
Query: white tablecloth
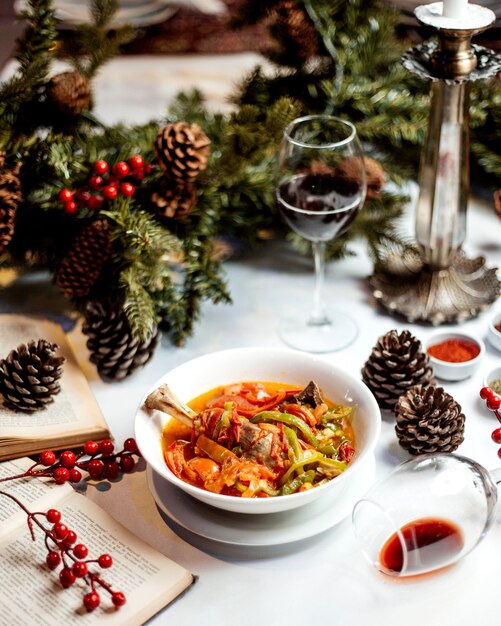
[326, 579]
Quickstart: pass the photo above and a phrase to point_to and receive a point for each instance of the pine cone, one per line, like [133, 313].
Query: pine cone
[29, 376]
[83, 264]
[396, 364]
[182, 150]
[294, 22]
[174, 200]
[113, 348]
[429, 420]
[70, 93]
[10, 197]
[349, 175]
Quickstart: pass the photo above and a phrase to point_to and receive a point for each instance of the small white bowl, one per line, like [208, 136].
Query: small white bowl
[493, 335]
[262, 364]
[493, 374]
[455, 371]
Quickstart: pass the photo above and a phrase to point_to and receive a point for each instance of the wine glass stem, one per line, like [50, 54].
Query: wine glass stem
[318, 316]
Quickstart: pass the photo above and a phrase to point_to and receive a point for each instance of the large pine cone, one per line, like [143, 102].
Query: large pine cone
[113, 348]
[396, 364]
[29, 376]
[429, 420]
[10, 197]
[294, 23]
[174, 200]
[70, 93]
[182, 151]
[85, 260]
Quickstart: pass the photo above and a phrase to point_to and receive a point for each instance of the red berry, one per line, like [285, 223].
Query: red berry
[121, 169]
[60, 530]
[147, 168]
[91, 448]
[118, 598]
[110, 192]
[47, 458]
[136, 162]
[130, 445]
[138, 174]
[70, 207]
[80, 569]
[75, 476]
[126, 189]
[105, 561]
[106, 447]
[486, 392]
[65, 195]
[111, 470]
[496, 435]
[80, 551]
[95, 182]
[68, 459]
[67, 577]
[82, 198]
[95, 203]
[95, 468]
[494, 403]
[101, 167]
[61, 475]
[53, 516]
[127, 463]
[53, 559]
[70, 538]
[499, 453]
[91, 600]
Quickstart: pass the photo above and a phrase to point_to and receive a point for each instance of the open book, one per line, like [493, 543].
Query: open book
[32, 594]
[74, 416]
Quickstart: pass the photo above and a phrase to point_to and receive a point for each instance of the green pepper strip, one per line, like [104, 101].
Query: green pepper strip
[224, 419]
[293, 485]
[293, 442]
[340, 465]
[314, 458]
[263, 486]
[287, 418]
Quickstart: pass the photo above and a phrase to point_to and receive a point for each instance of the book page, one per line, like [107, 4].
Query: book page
[74, 408]
[38, 494]
[31, 593]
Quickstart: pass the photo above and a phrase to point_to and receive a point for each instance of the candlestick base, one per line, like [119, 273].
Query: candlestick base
[404, 285]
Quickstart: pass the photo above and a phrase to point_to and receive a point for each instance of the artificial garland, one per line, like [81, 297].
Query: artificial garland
[133, 217]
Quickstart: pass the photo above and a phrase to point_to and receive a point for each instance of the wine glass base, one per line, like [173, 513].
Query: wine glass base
[298, 332]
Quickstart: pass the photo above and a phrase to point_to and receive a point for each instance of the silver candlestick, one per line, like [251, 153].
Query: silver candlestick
[440, 284]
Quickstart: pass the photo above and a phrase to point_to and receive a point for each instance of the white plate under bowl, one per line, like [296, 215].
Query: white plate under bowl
[255, 531]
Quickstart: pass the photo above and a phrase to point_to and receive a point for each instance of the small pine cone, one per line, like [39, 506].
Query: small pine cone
[29, 376]
[349, 176]
[182, 151]
[116, 353]
[298, 28]
[70, 93]
[396, 364]
[10, 197]
[429, 420]
[85, 260]
[174, 200]
[497, 202]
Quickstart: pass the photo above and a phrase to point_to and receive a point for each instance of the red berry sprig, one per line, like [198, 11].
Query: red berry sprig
[493, 403]
[105, 183]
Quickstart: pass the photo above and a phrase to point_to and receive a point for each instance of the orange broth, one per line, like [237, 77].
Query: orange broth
[175, 430]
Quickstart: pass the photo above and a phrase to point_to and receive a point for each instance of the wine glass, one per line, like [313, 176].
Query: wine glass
[428, 513]
[321, 187]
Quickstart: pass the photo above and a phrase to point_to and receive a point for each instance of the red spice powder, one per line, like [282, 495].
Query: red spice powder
[454, 351]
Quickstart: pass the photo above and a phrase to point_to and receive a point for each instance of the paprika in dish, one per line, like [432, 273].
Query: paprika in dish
[454, 350]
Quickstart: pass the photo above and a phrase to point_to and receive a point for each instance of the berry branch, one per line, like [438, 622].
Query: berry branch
[493, 403]
[99, 460]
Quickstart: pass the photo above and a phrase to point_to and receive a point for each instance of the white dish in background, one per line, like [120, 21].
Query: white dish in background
[256, 531]
[200, 375]
[493, 374]
[447, 370]
[493, 335]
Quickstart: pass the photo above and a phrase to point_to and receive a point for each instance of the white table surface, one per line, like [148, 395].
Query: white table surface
[325, 579]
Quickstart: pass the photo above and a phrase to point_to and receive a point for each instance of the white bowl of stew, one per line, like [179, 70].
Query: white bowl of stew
[153, 428]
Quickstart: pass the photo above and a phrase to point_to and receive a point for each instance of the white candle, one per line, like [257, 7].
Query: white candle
[454, 8]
